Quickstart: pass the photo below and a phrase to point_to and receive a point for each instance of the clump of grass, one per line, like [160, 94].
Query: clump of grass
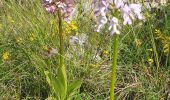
[27, 32]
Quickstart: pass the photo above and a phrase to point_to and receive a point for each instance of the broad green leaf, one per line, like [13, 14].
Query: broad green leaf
[73, 88]
[56, 84]
[59, 88]
[63, 80]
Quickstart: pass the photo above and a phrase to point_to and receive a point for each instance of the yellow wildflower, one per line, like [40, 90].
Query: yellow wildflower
[32, 37]
[5, 56]
[10, 19]
[69, 27]
[105, 52]
[166, 48]
[73, 25]
[19, 40]
[68, 30]
[150, 49]
[52, 22]
[150, 61]
[94, 65]
[164, 39]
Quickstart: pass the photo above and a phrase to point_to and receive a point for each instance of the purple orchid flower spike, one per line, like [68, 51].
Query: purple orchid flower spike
[66, 7]
[49, 6]
[128, 11]
[70, 1]
[51, 9]
[69, 10]
[100, 13]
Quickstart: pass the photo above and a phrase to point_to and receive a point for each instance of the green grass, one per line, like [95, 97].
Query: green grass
[26, 29]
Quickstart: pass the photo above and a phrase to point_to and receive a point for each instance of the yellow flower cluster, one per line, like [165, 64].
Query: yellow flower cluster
[106, 52]
[52, 21]
[33, 36]
[70, 27]
[150, 49]
[5, 56]
[19, 40]
[94, 65]
[150, 61]
[165, 40]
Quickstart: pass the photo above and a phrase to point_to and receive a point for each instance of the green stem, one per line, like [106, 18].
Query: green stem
[114, 63]
[62, 70]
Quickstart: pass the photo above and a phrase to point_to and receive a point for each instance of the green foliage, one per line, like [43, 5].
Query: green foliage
[60, 90]
[27, 32]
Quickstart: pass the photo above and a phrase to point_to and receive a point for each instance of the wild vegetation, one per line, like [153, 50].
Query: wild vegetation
[30, 54]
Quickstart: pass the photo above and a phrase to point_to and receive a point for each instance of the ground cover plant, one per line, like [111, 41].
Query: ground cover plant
[31, 56]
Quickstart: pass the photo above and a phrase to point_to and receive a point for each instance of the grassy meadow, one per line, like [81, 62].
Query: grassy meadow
[29, 44]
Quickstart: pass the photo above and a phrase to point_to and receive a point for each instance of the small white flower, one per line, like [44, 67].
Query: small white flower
[113, 26]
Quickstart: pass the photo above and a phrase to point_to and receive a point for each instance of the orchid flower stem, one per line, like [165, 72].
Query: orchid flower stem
[62, 69]
[114, 63]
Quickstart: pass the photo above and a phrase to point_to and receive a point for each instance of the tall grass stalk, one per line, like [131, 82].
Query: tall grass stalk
[114, 63]
[155, 52]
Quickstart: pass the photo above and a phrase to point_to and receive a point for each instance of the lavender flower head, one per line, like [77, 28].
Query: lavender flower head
[100, 13]
[66, 8]
[113, 26]
[129, 12]
[49, 6]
